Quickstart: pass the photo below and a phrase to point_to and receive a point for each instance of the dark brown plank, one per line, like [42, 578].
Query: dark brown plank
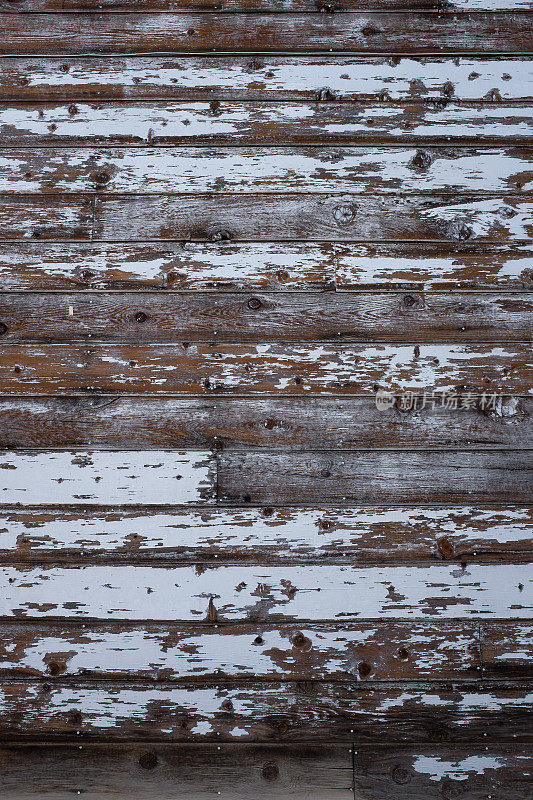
[160, 771]
[309, 217]
[263, 266]
[288, 712]
[261, 317]
[402, 32]
[337, 477]
[216, 122]
[507, 650]
[277, 368]
[269, 77]
[293, 423]
[373, 535]
[369, 652]
[287, 170]
[443, 772]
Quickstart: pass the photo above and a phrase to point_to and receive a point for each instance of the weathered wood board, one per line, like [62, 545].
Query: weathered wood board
[266, 399]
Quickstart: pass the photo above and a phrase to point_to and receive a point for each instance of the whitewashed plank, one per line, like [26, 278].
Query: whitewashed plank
[268, 77]
[255, 593]
[356, 535]
[380, 170]
[102, 477]
[86, 125]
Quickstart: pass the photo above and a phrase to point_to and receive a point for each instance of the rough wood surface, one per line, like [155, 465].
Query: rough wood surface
[507, 650]
[264, 317]
[375, 477]
[277, 368]
[160, 771]
[276, 170]
[445, 772]
[348, 217]
[258, 594]
[215, 122]
[269, 77]
[102, 477]
[374, 535]
[292, 423]
[286, 6]
[401, 32]
[304, 711]
[287, 266]
[390, 651]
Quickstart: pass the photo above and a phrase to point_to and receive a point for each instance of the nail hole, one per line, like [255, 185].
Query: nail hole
[364, 669]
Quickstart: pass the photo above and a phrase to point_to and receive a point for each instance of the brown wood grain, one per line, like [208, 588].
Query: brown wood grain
[219, 122]
[347, 217]
[160, 771]
[305, 711]
[318, 78]
[292, 423]
[341, 477]
[401, 32]
[261, 317]
[365, 535]
[364, 652]
[263, 266]
[507, 650]
[443, 772]
[286, 6]
[415, 772]
[276, 368]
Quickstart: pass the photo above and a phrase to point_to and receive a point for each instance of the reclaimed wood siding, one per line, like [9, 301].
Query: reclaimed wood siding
[266, 399]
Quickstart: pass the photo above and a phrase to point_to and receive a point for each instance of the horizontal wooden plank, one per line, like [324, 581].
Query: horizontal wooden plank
[102, 477]
[292, 423]
[264, 317]
[263, 266]
[507, 650]
[261, 593]
[277, 368]
[375, 535]
[286, 6]
[160, 771]
[86, 125]
[45, 217]
[278, 170]
[395, 651]
[268, 77]
[402, 32]
[289, 712]
[359, 217]
[446, 771]
[375, 477]
[430, 266]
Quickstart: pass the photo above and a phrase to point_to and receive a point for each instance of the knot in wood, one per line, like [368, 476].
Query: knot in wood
[422, 160]
[101, 177]
[140, 316]
[148, 760]
[3, 328]
[364, 669]
[270, 771]
[344, 214]
[400, 774]
[254, 303]
[220, 236]
[370, 30]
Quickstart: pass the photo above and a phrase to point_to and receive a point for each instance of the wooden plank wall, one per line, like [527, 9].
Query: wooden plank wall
[226, 227]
